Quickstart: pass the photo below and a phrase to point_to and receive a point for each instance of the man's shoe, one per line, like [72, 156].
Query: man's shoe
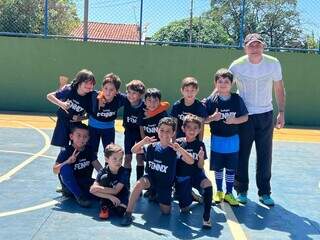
[127, 219]
[83, 202]
[218, 197]
[242, 198]
[104, 213]
[196, 197]
[206, 224]
[266, 200]
[229, 198]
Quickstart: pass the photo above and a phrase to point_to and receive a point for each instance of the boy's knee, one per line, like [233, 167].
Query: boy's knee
[206, 183]
[165, 209]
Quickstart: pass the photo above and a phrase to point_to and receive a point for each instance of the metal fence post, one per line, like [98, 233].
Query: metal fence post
[45, 18]
[85, 20]
[140, 23]
[242, 23]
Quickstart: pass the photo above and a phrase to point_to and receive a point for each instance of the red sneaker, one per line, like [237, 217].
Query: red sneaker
[104, 213]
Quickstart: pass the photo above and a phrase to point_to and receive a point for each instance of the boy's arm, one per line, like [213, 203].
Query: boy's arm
[185, 156]
[96, 188]
[52, 98]
[174, 138]
[201, 134]
[137, 148]
[97, 165]
[238, 120]
[57, 166]
[201, 157]
[142, 135]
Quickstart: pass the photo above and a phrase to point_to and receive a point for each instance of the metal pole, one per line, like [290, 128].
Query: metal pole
[190, 23]
[140, 23]
[242, 23]
[85, 20]
[46, 18]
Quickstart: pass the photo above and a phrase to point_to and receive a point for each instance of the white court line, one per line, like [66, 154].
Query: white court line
[27, 153]
[29, 209]
[30, 159]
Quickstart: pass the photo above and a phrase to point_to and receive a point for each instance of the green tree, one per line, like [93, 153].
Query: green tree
[27, 16]
[277, 20]
[203, 31]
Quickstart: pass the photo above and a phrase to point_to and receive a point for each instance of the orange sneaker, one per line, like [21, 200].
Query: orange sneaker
[104, 213]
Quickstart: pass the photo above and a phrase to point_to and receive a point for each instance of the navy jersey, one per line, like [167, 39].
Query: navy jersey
[150, 124]
[180, 110]
[109, 112]
[113, 179]
[82, 167]
[79, 105]
[233, 107]
[131, 114]
[160, 163]
[184, 169]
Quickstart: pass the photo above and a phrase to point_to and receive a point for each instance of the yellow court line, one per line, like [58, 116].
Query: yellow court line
[27, 153]
[30, 159]
[28, 209]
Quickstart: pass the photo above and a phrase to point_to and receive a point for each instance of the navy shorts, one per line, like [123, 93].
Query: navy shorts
[219, 161]
[61, 133]
[131, 137]
[163, 193]
[184, 185]
[107, 136]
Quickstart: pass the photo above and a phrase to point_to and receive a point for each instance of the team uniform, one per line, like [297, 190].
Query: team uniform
[189, 176]
[102, 120]
[160, 170]
[106, 178]
[150, 124]
[224, 137]
[77, 176]
[180, 110]
[79, 105]
[131, 116]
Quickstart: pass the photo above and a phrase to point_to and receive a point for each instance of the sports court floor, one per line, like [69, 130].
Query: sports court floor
[31, 209]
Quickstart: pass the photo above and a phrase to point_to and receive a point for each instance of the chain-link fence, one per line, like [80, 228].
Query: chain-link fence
[284, 24]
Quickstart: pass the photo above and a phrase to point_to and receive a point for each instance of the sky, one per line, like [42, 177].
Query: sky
[158, 13]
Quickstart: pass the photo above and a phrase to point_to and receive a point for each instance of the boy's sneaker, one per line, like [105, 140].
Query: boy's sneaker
[266, 200]
[242, 198]
[83, 202]
[206, 224]
[229, 198]
[127, 219]
[218, 197]
[104, 213]
[196, 197]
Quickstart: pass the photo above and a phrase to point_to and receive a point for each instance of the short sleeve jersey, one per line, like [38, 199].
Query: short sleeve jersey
[150, 124]
[113, 179]
[131, 114]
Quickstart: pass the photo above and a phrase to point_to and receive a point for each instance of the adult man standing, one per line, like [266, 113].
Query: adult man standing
[255, 74]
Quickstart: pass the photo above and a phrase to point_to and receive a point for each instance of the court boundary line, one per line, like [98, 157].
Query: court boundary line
[27, 153]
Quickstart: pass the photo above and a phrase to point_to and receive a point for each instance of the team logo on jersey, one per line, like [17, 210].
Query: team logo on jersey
[158, 166]
[74, 105]
[106, 114]
[83, 163]
[225, 114]
[150, 128]
[132, 119]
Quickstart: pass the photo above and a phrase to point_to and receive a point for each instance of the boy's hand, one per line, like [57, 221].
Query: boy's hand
[175, 146]
[77, 118]
[201, 153]
[65, 106]
[230, 120]
[115, 200]
[148, 140]
[73, 157]
[216, 116]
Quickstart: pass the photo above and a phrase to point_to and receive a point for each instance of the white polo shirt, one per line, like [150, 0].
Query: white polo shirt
[255, 81]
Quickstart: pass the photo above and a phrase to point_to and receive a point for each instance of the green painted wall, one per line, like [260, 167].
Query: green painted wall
[30, 69]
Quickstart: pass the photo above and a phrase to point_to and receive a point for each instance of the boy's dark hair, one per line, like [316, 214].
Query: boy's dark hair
[111, 149]
[225, 73]
[79, 125]
[112, 78]
[169, 121]
[83, 75]
[189, 81]
[137, 86]
[191, 118]
[153, 92]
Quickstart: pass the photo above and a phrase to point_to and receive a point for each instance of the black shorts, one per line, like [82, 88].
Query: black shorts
[219, 161]
[131, 137]
[163, 192]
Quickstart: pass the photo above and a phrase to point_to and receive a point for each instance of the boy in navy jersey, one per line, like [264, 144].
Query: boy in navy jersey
[161, 159]
[104, 109]
[188, 104]
[189, 176]
[75, 165]
[111, 184]
[226, 111]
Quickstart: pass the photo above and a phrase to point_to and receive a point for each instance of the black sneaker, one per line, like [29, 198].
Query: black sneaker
[83, 202]
[127, 219]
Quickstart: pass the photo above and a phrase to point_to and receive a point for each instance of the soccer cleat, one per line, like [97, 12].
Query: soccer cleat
[196, 197]
[127, 219]
[218, 197]
[266, 200]
[83, 202]
[229, 198]
[242, 198]
[104, 213]
[206, 224]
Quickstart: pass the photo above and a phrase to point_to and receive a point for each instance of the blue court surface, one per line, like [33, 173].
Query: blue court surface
[30, 208]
